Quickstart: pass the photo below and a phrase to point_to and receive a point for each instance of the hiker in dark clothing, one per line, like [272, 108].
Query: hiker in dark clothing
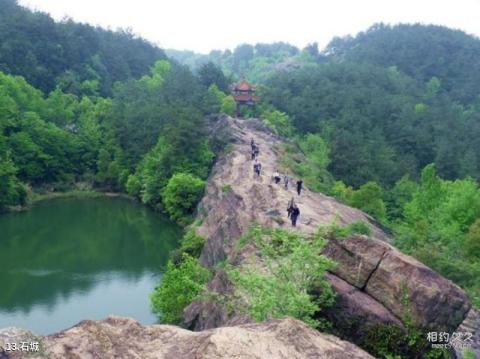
[253, 154]
[252, 143]
[299, 186]
[295, 212]
[276, 177]
[290, 206]
[257, 167]
[256, 151]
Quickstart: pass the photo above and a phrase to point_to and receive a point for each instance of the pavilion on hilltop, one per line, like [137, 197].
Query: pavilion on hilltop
[244, 95]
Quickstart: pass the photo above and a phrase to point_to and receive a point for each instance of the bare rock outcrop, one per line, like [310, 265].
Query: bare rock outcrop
[469, 334]
[355, 311]
[372, 279]
[392, 278]
[125, 338]
[234, 199]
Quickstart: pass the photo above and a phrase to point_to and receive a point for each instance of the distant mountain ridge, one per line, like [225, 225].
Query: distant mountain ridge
[419, 51]
[78, 58]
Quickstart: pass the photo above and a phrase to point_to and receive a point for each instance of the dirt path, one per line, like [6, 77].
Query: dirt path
[265, 202]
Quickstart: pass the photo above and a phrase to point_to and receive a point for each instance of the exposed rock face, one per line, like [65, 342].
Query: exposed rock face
[387, 275]
[372, 277]
[226, 215]
[125, 338]
[435, 302]
[359, 257]
[470, 326]
[354, 311]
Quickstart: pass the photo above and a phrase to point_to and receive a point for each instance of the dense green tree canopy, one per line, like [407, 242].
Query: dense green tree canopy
[211, 74]
[380, 124]
[78, 58]
[422, 52]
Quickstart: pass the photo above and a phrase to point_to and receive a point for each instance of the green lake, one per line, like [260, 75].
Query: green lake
[67, 260]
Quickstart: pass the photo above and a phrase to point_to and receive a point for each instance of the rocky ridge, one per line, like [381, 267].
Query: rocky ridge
[372, 277]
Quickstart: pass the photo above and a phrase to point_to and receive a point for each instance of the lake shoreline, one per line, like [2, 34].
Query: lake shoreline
[77, 193]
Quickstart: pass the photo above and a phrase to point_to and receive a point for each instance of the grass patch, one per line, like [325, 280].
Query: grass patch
[291, 160]
[227, 188]
[335, 231]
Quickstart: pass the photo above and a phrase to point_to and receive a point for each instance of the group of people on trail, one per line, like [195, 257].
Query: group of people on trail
[277, 178]
[292, 209]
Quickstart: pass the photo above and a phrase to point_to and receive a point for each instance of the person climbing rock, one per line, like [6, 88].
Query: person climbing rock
[290, 206]
[253, 153]
[252, 143]
[294, 213]
[299, 186]
[276, 177]
[286, 180]
[256, 151]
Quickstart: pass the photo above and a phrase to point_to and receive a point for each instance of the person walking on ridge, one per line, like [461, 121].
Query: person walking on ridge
[290, 206]
[256, 151]
[295, 212]
[299, 186]
[257, 167]
[276, 177]
[286, 179]
[254, 146]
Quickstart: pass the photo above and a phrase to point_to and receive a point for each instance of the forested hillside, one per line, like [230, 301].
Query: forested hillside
[253, 62]
[380, 123]
[59, 131]
[419, 51]
[77, 58]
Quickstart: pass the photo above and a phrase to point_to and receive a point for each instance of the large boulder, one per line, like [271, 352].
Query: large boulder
[125, 338]
[406, 286]
[399, 282]
[355, 312]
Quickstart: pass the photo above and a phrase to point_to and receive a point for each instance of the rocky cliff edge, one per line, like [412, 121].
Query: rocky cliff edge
[126, 338]
[372, 276]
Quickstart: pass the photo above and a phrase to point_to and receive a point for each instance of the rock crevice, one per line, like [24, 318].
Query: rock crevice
[373, 271]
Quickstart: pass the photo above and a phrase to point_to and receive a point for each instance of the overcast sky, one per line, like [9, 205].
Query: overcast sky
[203, 25]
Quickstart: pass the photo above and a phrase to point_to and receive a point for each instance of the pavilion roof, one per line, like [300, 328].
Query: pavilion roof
[244, 86]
